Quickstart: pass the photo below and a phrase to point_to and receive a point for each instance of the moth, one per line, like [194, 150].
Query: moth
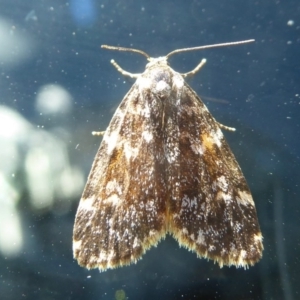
[164, 167]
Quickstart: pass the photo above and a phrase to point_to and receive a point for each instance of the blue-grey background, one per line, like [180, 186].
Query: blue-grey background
[57, 85]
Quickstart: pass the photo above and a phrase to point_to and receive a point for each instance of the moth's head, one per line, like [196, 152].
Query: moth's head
[157, 61]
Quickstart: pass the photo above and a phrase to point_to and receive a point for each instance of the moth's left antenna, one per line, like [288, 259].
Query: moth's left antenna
[126, 50]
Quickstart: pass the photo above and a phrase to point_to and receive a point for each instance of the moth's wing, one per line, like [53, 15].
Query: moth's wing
[213, 212]
[122, 211]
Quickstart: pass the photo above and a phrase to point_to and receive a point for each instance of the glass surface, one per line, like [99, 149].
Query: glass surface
[57, 86]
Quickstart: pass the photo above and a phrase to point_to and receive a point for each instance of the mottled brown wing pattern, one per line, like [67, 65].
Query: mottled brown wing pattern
[123, 208]
[214, 213]
[164, 167]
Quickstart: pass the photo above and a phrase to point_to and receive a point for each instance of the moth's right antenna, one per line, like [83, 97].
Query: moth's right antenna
[209, 46]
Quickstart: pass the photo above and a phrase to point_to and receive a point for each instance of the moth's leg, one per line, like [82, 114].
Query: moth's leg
[226, 127]
[99, 133]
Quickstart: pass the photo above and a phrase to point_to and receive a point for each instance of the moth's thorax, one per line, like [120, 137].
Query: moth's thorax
[160, 78]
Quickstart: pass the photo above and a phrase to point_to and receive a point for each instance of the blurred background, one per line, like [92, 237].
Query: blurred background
[57, 86]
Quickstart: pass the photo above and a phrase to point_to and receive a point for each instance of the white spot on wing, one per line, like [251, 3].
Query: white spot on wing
[152, 232]
[197, 148]
[113, 187]
[242, 256]
[217, 137]
[136, 243]
[189, 203]
[147, 135]
[245, 198]
[222, 183]
[172, 154]
[200, 238]
[111, 141]
[76, 245]
[211, 248]
[258, 238]
[87, 204]
[103, 256]
[185, 231]
[130, 152]
[113, 200]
